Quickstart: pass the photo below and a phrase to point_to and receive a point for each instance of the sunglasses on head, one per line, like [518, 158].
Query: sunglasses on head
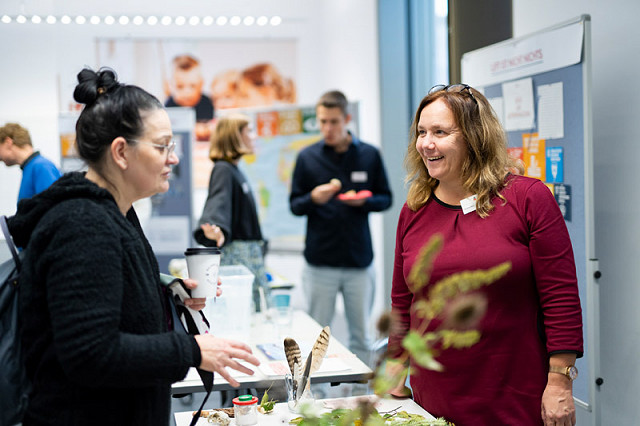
[453, 88]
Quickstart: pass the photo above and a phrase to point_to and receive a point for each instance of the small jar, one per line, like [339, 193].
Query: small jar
[245, 409]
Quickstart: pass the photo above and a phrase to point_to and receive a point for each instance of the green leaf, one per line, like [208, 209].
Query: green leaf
[421, 353]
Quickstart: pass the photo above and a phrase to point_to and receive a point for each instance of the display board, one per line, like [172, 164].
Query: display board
[281, 132]
[169, 226]
[539, 85]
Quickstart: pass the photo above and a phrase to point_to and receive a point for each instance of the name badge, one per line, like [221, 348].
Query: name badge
[359, 177]
[245, 187]
[469, 204]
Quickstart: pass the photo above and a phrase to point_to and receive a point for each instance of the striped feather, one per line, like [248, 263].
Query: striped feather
[320, 349]
[292, 353]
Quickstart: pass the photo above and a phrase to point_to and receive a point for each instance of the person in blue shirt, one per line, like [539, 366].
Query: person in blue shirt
[338, 249]
[16, 149]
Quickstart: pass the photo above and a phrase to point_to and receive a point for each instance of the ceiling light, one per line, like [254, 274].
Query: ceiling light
[109, 20]
[166, 20]
[123, 20]
[51, 19]
[138, 20]
[248, 20]
[65, 19]
[80, 20]
[194, 20]
[21, 19]
[36, 19]
[6, 19]
[207, 20]
[152, 20]
[180, 20]
[235, 20]
[95, 20]
[221, 20]
[262, 21]
[275, 20]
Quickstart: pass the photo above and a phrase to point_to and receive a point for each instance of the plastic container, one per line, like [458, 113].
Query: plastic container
[245, 410]
[230, 314]
[280, 307]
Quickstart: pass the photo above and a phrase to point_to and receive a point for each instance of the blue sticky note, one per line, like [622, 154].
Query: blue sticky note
[555, 164]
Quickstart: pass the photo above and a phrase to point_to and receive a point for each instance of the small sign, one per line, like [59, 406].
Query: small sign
[290, 122]
[268, 124]
[309, 124]
[555, 164]
[563, 197]
[533, 156]
[469, 204]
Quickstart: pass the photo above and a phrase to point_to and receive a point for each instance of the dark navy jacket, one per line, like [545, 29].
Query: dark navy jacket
[338, 235]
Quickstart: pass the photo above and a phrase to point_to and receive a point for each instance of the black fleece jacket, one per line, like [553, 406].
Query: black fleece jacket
[94, 330]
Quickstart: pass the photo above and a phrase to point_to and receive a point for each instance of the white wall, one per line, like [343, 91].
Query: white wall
[616, 110]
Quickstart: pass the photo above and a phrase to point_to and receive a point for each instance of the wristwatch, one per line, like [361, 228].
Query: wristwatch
[571, 372]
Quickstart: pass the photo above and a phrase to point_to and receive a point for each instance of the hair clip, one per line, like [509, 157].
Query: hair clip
[101, 90]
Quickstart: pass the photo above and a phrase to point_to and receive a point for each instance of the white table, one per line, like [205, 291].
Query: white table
[281, 414]
[339, 366]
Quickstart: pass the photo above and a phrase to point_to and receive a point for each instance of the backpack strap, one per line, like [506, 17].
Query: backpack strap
[12, 247]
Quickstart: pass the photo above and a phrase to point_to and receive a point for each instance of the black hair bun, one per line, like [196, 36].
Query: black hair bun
[92, 84]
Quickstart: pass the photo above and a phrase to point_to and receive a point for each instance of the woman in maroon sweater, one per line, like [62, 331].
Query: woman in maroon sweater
[532, 328]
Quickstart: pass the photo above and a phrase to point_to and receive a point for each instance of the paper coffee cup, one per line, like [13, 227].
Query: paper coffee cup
[203, 265]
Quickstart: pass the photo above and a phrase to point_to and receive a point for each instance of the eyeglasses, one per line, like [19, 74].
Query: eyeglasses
[169, 148]
[453, 88]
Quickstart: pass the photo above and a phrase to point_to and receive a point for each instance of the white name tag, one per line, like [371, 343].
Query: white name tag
[360, 176]
[245, 187]
[469, 204]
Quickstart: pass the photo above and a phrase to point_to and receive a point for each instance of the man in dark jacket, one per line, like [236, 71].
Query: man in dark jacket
[327, 181]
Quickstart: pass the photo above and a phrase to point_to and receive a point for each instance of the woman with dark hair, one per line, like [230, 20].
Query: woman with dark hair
[521, 370]
[229, 218]
[97, 341]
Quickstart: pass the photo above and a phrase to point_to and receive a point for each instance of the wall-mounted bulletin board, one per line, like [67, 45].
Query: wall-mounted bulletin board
[539, 85]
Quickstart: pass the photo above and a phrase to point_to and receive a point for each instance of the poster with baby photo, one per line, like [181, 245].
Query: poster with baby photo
[207, 75]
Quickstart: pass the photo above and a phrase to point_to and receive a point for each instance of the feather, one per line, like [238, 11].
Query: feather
[320, 349]
[292, 353]
[295, 373]
[305, 383]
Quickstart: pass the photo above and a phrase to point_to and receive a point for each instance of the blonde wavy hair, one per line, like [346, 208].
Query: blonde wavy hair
[487, 162]
[226, 140]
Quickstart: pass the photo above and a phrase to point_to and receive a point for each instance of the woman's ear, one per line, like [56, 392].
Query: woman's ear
[120, 152]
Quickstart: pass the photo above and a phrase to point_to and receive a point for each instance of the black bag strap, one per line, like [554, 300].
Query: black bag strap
[12, 247]
[177, 309]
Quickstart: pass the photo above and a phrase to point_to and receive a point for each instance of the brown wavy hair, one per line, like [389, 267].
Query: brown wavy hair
[487, 163]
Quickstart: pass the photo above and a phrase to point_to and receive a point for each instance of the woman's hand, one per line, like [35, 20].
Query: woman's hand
[213, 232]
[558, 408]
[197, 304]
[218, 354]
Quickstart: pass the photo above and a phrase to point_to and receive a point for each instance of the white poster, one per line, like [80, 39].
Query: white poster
[518, 105]
[550, 111]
